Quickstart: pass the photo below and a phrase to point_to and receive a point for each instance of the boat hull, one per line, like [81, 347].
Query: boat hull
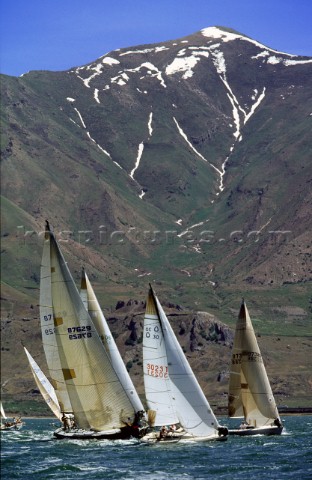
[115, 434]
[257, 431]
[11, 427]
[183, 437]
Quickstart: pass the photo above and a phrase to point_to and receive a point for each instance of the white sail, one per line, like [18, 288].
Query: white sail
[155, 368]
[48, 329]
[3, 415]
[189, 402]
[250, 393]
[91, 303]
[44, 386]
[98, 399]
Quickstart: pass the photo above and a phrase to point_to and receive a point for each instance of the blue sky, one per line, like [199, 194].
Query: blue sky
[60, 34]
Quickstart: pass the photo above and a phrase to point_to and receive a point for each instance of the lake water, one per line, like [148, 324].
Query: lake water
[32, 453]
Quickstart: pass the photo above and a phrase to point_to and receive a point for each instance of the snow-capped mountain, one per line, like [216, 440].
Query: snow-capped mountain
[186, 164]
[194, 154]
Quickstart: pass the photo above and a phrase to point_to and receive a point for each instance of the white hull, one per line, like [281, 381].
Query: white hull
[181, 437]
[257, 431]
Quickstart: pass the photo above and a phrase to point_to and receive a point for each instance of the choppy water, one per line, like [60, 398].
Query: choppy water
[32, 453]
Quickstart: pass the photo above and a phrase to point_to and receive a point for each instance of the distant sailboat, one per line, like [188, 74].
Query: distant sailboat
[173, 394]
[44, 386]
[15, 424]
[250, 394]
[85, 381]
[3, 415]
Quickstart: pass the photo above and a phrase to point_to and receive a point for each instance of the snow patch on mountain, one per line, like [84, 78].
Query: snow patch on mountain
[151, 70]
[137, 163]
[146, 50]
[149, 125]
[110, 61]
[214, 32]
[185, 62]
[274, 60]
[182, 65]
[183, 134]
[96, 95]
[91, 138]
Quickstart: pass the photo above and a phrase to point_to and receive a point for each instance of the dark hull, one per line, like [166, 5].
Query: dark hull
[257, 431]
[118, 434]
[11, 427]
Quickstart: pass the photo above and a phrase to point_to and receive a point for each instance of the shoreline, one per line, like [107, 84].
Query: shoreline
[221, 412]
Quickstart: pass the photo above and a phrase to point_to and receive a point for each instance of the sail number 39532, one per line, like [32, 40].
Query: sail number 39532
[159, 371]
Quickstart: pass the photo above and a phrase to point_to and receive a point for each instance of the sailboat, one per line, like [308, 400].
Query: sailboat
[44, 386]
[173, 394]
[15, 424]
[83, 375]
[250, 394]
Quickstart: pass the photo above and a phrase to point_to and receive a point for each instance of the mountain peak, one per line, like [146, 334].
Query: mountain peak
[228, 35]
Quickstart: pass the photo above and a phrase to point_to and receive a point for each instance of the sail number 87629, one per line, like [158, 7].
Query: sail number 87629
[75, 333]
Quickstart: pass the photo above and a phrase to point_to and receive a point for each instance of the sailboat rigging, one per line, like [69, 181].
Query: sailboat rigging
[173, 393]
[250, 393]
[85, 380]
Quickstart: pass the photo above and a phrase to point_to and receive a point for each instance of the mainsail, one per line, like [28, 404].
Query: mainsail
[184, 392]
[92, 305]
[155, 368]
[250, 393]
[98, 399]
[44, 386]
[48, 328]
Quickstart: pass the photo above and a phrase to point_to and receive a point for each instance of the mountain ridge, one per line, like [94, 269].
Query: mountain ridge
[186, 163]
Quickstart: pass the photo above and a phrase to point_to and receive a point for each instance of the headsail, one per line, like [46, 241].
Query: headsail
[98, 399]
[250, 393]
[92, 305]
[189, 402]
[3, 415]
[44, 386]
